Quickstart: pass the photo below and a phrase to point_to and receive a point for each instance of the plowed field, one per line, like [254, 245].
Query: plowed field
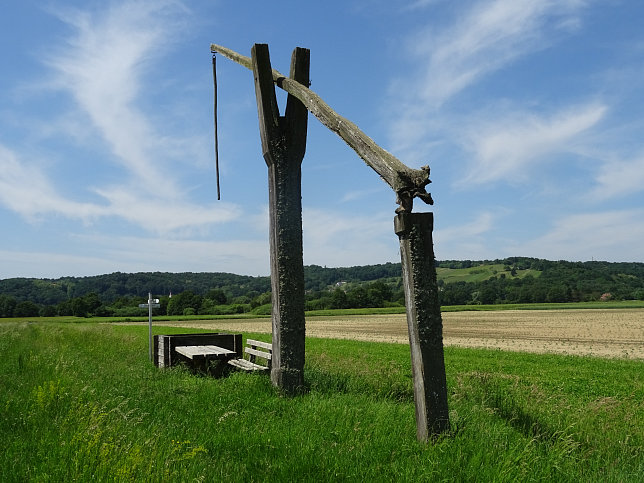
[597, 332]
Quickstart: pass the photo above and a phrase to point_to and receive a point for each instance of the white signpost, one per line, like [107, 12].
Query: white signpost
[152, 304]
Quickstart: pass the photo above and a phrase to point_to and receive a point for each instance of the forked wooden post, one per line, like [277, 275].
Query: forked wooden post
[424, 322]
[283, 146]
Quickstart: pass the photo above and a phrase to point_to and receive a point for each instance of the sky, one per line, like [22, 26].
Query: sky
[529, 113]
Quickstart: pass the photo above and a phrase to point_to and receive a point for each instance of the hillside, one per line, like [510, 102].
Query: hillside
[512, 280]
[482, 272]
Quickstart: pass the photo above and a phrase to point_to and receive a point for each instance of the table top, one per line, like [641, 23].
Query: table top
[205, 351]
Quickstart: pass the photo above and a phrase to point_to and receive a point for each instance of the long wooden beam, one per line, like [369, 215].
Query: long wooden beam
[405, 181]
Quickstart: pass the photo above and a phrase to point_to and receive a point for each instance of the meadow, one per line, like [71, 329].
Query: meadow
[80, 401]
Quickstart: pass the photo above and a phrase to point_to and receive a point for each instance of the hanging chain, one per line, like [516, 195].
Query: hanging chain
[214, 78]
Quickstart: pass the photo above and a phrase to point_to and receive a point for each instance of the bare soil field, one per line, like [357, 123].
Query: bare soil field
[614, 333]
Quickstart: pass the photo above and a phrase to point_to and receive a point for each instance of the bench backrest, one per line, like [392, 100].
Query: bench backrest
[254, 350]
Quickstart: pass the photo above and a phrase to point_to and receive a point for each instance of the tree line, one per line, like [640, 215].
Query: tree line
[119, 294]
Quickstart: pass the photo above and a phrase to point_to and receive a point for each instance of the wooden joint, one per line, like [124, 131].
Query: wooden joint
[405, 222]
[282, 136]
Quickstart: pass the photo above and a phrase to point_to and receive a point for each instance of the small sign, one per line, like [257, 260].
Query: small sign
[154, 306]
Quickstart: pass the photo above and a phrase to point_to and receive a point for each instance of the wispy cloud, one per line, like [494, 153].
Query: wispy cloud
[340, 239]
[102, 66]
[609, 235]
[490, 35]
[17, 263]
[162, 215]
[355, 195]
[504, 147]
[420, 4]
[466, 240]
[482, 39]
[243, 256]
[140, 254]
[620, 178]
[28, 192]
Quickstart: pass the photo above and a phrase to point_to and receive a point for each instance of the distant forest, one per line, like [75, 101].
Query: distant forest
[461, 282]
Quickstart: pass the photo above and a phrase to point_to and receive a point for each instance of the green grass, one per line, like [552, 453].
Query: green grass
[82, 402]
[618, 304]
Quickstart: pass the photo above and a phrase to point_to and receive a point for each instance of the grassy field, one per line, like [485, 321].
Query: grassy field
[82, 402]
[615, 304]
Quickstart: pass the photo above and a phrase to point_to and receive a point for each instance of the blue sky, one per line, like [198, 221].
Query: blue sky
[530, 115]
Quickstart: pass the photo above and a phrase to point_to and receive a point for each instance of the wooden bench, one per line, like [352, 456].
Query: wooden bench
[255, 349]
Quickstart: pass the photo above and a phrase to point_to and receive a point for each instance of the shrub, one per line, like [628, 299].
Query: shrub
[265, 309]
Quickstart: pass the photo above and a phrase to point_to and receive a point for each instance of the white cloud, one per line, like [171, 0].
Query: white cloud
[27, 191]
[482, 224]
[609, 235]
[242, 256]
[163, 215]
[102, 68]
[17, 263]
[134, 254]
[484, 39]
[467, 241]
[420, 4]
[503, 148]
[619, 178]
[355, 195]
[338, 239]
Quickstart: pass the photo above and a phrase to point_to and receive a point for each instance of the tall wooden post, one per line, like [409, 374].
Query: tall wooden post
[424, 322]
[283, 147]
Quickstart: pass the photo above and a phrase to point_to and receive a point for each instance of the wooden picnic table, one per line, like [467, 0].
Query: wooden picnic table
[197, 352]
[203, 355]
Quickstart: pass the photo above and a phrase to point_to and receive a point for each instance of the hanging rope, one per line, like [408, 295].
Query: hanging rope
[214, 78]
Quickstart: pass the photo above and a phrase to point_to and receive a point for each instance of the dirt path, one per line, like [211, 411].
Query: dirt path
[596, 332]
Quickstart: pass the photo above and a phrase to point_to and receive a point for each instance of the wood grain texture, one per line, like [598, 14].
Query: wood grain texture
[424, 323]
[405, 181]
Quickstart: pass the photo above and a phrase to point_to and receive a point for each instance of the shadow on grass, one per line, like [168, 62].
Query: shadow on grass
[506, 404]
[327, 382]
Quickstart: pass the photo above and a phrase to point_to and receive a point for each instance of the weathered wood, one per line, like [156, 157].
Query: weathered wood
[166, 355]
[424, 322]
[259, 343]
[405, 181]
[247, 365]
[258, 353]
[283, 146]
[203, 351]
[161, 351]
[250, 365]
